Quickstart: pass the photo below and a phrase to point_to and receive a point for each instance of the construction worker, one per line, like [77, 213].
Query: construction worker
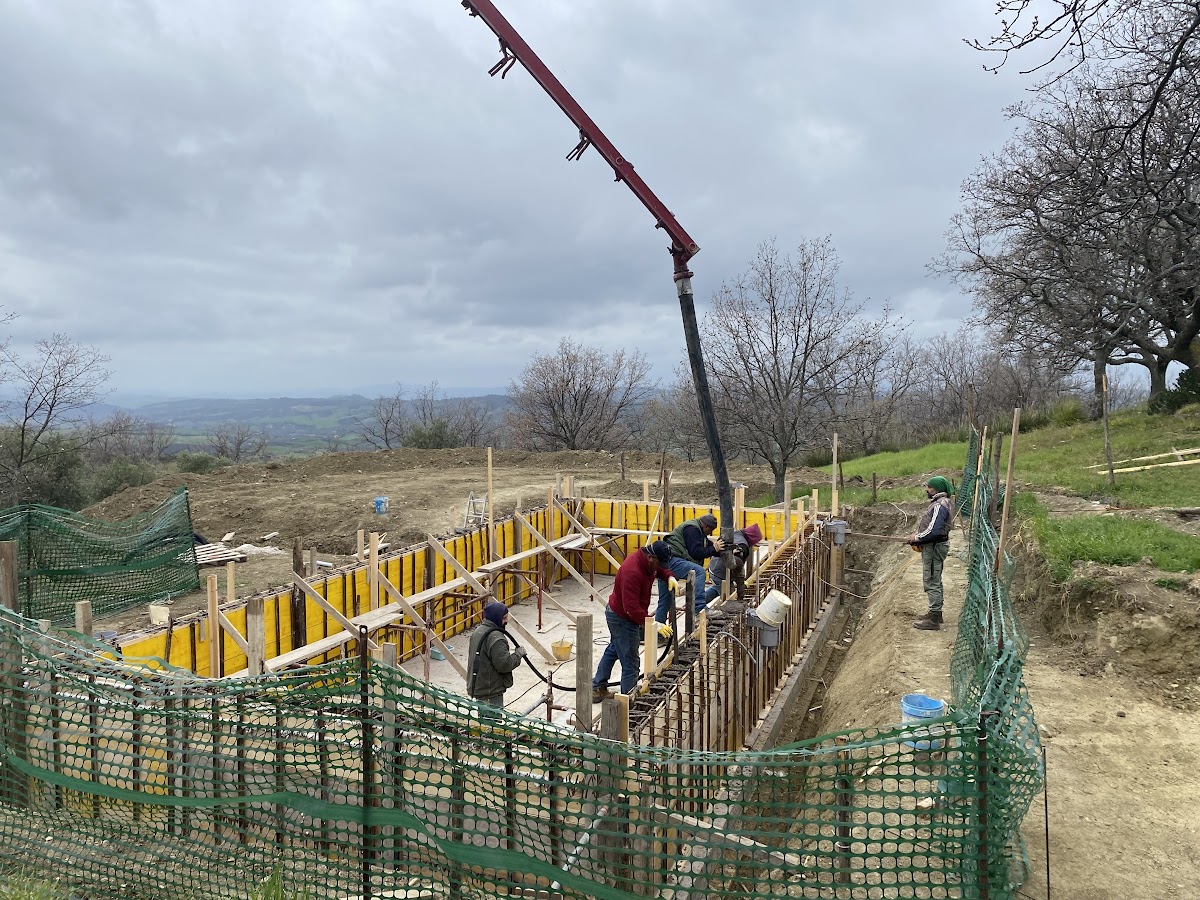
[691, 544]
[933, 538]
[628, 607]
[491, 659]
[744, 540]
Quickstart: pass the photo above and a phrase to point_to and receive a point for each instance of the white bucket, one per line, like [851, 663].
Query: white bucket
[774, 608]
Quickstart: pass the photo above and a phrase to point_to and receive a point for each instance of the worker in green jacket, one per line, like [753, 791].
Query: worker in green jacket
[691, 544]
[491, 659]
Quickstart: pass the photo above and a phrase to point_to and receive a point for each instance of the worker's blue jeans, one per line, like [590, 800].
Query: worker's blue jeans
[680, 567]
[623, 639]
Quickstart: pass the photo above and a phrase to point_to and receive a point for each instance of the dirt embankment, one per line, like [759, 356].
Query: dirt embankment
[1111, 672]
[325, 499]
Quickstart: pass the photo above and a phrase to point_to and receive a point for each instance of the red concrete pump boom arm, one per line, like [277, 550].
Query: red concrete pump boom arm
[513, 49]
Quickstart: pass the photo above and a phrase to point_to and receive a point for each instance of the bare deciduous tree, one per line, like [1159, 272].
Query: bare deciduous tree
[780, 341]
[384, 428]
[473, 423]
[880, 375]
[236, 441]
[578, 398]
[49, 392]
[126, 436]
[1148, 45]
[1079, 244]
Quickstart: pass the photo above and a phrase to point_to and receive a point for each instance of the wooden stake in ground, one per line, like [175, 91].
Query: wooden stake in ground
[491, 522]
[1012, 456]
[833, 470]
[583, 672]
[1112, 479]
[214, 629]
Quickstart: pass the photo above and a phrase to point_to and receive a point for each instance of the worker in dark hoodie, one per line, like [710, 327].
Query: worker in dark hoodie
[491, 658]
[691, 544]
[932, 537]
[744, 541]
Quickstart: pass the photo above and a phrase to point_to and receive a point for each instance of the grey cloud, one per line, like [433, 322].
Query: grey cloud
[227, 181]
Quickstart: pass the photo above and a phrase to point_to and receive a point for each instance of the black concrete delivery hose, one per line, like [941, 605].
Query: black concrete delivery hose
[562, 687]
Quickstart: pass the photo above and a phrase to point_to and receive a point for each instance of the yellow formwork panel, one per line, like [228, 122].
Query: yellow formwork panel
[280, 606]
[235, 659]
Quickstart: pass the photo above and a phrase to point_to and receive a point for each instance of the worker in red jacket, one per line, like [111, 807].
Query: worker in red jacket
[626, 613]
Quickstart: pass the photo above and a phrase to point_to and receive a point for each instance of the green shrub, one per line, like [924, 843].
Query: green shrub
[120, 474]
[437, 436]
[1186, 390]
[200, 463]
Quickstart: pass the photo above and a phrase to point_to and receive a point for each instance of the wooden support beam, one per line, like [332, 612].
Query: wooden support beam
[256, 635]
[229, 628]
[583, 529]
[411, 612]
[214, 629]
[649, 648]
[373, 572]
[491, 522]
[559, 558]
[458, 567]
[333, 612]
[83, 617]
[584, 669]
[531, 638]
[833, 503]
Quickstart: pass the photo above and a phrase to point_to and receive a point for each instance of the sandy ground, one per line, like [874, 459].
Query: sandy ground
[1123, 789]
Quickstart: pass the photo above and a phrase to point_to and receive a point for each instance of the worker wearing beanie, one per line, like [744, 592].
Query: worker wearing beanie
[490, 658]
[744, 540]
[691, 544]
[933, 538]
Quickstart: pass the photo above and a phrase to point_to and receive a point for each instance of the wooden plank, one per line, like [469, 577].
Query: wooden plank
[233, 633]
[583, 672]
[334, 613]
[574, 542]
[1186, 462]
[562, 561]
[214, 630]
[410, 610]
[585, 531]
[83, 617]
[458, 567]
[528, 635]
[256, 635]
[1175, 453]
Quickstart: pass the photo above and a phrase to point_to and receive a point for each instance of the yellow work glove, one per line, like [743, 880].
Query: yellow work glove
[664, 632]
[674, 585]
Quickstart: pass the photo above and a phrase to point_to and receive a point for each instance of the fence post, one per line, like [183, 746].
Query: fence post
[12, 680]
[368, 761]
[981, 777]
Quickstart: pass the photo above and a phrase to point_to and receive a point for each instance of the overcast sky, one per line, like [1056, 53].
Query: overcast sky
[298, 197]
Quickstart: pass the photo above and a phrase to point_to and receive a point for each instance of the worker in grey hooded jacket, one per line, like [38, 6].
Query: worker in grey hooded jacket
[491, 659]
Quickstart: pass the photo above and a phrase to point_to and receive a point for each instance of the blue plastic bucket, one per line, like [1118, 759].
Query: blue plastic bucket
[915, 708]
[381, 505]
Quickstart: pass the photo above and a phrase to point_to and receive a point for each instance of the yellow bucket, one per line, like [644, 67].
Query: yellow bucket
[562, 650]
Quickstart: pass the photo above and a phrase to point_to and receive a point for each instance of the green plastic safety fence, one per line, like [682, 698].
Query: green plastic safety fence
[130, 779]
[64, 557]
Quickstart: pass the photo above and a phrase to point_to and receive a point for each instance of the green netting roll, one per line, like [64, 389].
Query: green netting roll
[64, 557]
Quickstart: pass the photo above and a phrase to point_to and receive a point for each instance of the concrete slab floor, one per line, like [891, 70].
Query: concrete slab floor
[527, 688]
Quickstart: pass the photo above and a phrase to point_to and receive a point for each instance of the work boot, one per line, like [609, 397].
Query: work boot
[931, 621]
[600, 694]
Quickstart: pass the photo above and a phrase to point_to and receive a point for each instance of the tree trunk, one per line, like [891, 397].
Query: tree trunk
[1096, 402]
[780, 471]
[1158, 377]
